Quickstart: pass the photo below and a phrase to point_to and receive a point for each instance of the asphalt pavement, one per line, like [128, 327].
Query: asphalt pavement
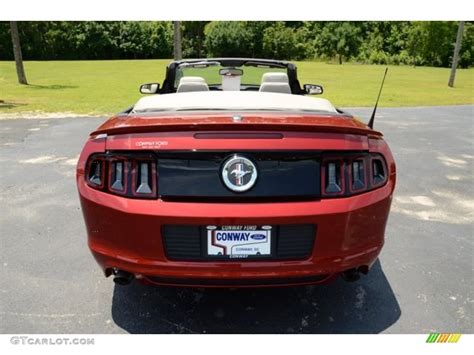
[423, 281]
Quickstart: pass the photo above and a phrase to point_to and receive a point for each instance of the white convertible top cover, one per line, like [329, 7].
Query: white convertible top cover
[231, 101]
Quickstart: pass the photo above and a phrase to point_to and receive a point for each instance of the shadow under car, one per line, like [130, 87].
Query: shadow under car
[366, 306]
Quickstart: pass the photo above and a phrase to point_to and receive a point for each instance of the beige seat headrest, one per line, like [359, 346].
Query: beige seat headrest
[282, 88]
[191, 84]
[275, 77]
[192, 79]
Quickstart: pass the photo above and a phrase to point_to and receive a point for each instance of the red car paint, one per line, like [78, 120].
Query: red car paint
[125, 233]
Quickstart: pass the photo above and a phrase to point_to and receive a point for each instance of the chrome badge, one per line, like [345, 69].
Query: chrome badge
[239, 174]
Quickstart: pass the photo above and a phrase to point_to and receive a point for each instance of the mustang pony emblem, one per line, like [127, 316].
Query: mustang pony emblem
[239, 174]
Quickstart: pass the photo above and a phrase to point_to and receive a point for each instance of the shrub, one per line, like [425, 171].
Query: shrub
[228, 39]
[279, 42]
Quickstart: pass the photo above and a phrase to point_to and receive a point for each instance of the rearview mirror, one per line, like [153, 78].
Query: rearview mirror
[151, 88]
[231, 72]
[312, 89]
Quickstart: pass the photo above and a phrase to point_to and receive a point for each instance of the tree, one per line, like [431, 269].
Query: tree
[457, 47]
[193, 38]
[20, 71]
[279, 41]
[380, 42]
[228, 39]
[384, 42]
[431, 42]
[256, 31]
[339, 39]
[466, 55]
[177, 40]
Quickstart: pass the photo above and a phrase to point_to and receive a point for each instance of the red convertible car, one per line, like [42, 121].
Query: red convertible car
[227, 175]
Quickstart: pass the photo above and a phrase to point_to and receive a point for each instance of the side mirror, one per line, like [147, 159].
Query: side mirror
[312, 89]
[151, 88]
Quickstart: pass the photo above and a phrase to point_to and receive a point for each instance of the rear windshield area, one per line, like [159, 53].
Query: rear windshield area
[252, 75]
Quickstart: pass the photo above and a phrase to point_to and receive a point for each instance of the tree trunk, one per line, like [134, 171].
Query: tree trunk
[20, 71]
[457, 47]
[177, 41]
[340, 59]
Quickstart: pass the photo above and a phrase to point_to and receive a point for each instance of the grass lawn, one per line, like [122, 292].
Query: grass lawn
[106, 87]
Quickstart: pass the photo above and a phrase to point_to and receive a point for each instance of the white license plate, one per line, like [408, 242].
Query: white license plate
[239, 241]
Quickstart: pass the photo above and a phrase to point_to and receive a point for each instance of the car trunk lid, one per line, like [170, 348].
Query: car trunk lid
[329, 123]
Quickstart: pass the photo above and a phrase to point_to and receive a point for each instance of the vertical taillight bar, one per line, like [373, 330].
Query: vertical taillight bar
[96, 172]
[144, 178]
[378, 172]
[357, 172]
[118, 175]
[332, 177]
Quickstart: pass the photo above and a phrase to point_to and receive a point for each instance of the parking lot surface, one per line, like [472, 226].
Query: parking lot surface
[423, 281]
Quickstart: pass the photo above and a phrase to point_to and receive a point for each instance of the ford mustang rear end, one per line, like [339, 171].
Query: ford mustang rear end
[235, 189]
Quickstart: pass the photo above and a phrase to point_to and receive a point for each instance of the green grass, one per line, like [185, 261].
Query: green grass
[105, 87]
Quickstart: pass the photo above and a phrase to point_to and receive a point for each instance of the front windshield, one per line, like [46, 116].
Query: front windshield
[252, 75]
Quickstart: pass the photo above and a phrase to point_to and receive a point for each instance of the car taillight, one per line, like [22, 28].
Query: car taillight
[352, 174]
[358, 178]
[95, 172]
[333, 177]
[143, 178]
[132, 175]
[379, 174]
[118, 175]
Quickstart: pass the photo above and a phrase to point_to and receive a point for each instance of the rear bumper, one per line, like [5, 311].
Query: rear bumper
[126, 234]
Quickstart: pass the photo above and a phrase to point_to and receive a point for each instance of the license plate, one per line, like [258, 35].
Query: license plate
[239, 241]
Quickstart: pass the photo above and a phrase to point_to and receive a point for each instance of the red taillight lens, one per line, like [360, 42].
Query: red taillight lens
[129, 174]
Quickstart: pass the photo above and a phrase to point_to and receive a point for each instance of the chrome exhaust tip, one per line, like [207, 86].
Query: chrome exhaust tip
[351, 275]
[123, 278]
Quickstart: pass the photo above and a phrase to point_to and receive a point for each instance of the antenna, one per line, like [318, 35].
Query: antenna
[372, 118]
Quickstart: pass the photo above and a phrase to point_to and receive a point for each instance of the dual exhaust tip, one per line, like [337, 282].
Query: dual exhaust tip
[124, 278]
